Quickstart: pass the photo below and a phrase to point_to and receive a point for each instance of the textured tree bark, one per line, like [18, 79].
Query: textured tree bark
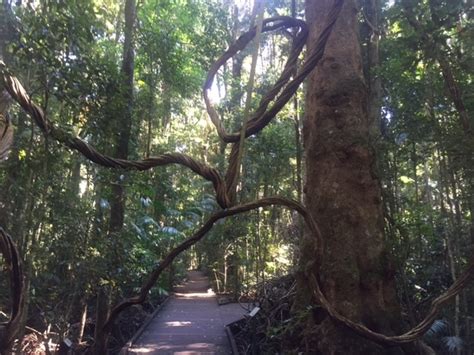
[11, 260]
[102, 313]
[5, 134]
[343, 194]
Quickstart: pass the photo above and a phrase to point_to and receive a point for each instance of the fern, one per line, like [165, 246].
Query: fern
[438, 326]
[170, 230]
[453, 343]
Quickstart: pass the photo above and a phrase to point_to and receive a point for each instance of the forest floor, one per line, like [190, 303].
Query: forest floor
[191, 322]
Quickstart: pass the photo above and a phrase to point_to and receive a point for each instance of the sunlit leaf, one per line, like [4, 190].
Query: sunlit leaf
[406, 179]
[104, 203]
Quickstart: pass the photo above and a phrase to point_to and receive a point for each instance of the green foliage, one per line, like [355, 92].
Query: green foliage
[426, 151]
[57, 204]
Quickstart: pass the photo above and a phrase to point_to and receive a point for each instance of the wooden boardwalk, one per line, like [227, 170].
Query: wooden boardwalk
[190, 323]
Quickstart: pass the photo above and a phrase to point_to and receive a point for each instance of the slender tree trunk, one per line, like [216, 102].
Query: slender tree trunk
[82, 323]
[166, 107]
[438, 53]
[343, 194]
[299, 151]
[122, 131]
[372, 15]
[299, 147]
[125, 111]
[151, 114]
[452, 234]
[102, 313]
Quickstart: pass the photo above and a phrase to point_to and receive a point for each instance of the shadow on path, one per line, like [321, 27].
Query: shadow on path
[190, 323]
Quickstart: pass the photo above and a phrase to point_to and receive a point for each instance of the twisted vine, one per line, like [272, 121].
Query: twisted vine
[282, 91]
[12, 261]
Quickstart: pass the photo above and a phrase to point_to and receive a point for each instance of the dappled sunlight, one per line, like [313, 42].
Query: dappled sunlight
[208, 294]
[189, 347]
[178, 324]
[191, 322]
[143, 350]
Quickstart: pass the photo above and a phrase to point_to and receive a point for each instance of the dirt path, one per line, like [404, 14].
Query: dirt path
[190, 323]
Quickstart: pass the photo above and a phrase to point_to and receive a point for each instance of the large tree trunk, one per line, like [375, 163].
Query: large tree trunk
[343, 194]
